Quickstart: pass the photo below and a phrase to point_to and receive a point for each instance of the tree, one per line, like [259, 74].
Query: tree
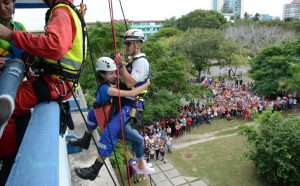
[274, 66]
[274, 148]
[165, 32]
[153, 50]
[168, 82]
[171, 22]
[232, 55]
[289, 25]
[100, 44]
[292, 84]
[168, 77]
[255, 37]
[201, 19]
[246, 16]
[256, 17]
[200, 46]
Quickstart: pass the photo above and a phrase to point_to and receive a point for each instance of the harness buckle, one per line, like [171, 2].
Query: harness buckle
[64, 86]
[132, 112]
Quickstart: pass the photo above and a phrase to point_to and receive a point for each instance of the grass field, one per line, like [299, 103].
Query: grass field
[218, 162]
[216, 125]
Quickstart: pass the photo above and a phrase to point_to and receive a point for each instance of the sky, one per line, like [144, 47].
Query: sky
[97, 10]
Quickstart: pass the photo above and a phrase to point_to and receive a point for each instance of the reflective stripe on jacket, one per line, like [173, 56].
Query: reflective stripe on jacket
[73, 59]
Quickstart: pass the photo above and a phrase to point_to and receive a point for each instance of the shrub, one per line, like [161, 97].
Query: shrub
[274, 148]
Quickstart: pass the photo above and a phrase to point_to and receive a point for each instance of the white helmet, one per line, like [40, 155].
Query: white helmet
[134, 35]
[105, 64]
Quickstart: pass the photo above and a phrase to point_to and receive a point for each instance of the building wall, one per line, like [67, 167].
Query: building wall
[217, 5]
[233, 8]
[149, 27]
[292, 10]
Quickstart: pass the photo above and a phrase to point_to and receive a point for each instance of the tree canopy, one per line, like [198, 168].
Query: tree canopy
[275, 65]
[201, 19]
[200, 46]
[255, 36]
[100, 43]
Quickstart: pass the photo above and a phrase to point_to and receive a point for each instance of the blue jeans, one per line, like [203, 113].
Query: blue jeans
[136, 139]
[11, 76]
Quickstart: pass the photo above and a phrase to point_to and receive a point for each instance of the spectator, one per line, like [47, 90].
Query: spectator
[162, 151]
[169, 144]
[156, 147]
[152, 152]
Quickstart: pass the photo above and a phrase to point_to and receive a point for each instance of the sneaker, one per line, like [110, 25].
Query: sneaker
[7, 106]
[147, 164]
[146, 170]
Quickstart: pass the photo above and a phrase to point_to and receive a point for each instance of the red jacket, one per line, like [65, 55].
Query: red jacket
[56, 41]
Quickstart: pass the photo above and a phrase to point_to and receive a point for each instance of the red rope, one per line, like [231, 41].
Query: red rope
[119, 96]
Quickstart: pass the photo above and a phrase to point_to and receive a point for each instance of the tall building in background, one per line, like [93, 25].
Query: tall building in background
[292, 10]
[229, 8]
[234, 7]
[217, 5]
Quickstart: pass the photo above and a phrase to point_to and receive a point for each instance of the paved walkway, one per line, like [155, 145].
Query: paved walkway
[167, 175]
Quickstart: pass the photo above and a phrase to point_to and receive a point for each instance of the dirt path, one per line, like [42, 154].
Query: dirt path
[191, 139]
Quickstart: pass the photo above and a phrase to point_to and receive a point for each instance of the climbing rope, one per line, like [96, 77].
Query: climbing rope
[118, 86]
[105, 116]
[82, 10]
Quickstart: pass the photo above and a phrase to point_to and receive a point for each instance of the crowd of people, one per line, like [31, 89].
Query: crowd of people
[230, 101]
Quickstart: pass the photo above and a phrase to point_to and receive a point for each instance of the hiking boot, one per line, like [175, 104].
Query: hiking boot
[83, 142]
[7, 106]
[89, 173]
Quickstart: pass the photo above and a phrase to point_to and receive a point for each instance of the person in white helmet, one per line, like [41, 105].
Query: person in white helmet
[137, 71]
[105, 69]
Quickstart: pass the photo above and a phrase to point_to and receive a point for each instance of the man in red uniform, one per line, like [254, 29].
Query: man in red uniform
[62, 49]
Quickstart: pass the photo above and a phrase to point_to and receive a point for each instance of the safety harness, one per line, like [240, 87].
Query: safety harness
[129, 69]
[136, 114]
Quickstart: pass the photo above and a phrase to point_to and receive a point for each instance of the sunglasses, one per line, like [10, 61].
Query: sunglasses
[127, 43]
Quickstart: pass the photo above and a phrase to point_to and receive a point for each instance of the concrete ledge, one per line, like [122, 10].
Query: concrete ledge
[42, 157]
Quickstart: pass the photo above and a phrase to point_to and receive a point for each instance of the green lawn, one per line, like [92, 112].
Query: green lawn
[218, 162]
[227, 132]
[216, 125]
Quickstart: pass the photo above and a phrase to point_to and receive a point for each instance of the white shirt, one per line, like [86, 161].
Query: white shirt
[146, 138]
[140, 68]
